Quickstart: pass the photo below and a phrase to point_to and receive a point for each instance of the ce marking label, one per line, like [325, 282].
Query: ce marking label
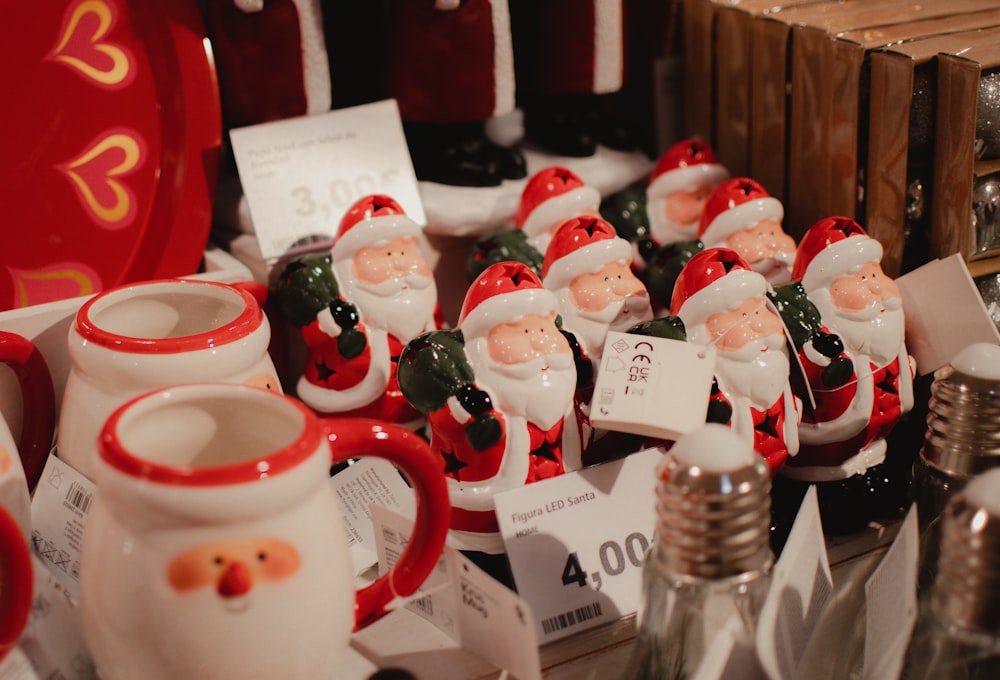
[639, 367]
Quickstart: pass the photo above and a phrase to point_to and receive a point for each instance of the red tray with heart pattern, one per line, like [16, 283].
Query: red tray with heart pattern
[111, 136]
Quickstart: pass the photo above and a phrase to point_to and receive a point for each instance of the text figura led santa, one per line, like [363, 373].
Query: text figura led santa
[513, 422]
[385, 296]
[723, 304]
[864, 383]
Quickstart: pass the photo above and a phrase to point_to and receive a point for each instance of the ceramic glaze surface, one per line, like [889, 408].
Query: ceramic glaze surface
[135, 339]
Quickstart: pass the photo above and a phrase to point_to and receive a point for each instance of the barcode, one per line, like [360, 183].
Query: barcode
[79, 497]
[571, 618]
[424, 604]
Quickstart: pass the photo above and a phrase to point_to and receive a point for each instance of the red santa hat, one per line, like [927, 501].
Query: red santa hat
[685, 166]
[582, 245]
[373, 219]
[714, 280]
[552, 195]
[833, 247]
[504, 293]
[736, 204]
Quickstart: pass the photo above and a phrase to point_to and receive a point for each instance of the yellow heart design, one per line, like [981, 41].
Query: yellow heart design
[93, 167]
[82, 52]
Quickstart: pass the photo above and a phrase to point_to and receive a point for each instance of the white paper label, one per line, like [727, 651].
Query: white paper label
[576, 542]
[52, 644]
[369, 481]
[801, 586]
[300, 175]
[58, 511]
[656, 387]
[891, 595]
[944, 313]
[472, 607]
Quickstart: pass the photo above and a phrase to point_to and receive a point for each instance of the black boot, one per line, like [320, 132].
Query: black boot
[457, 154]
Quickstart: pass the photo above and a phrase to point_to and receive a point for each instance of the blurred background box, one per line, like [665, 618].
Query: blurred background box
[966, 153]
[901, 121]
[829, 94]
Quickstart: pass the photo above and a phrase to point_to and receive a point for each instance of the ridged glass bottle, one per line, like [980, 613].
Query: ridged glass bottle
[710, 560]
[958, 633]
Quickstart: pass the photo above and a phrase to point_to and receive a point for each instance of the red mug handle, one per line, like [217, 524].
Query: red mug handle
[38, 397]
[16, 582]
[358, 437]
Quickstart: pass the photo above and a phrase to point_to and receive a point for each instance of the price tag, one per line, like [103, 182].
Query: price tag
[467, 603]
[300, 175]
[801, 587]
[891, 594]
[369, 481]
[576, 542]
[944, 312]
[58, 510]
[650, 386]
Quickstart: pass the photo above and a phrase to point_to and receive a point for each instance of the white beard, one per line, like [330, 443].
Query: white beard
[749, 372]
[591, 328]
[663, 230]
[403, 314]
[872, 333]
[541, 397]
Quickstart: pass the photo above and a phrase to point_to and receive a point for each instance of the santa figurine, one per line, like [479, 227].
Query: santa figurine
[859, 373]
[498, 395]
[356, 307]
[588, 267]
[742, 216]
[723, 304]
[684, 177]
[550, 197]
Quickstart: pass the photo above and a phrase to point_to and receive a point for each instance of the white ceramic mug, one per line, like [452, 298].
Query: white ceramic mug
[129, 340]
[215, 548]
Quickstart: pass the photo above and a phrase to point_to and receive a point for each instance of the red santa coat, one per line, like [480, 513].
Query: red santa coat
[845, 433]
[525, 453]
[774, 430]
[457, 65]
[363, 386]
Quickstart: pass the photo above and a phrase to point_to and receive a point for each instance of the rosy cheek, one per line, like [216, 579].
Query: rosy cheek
[683, 209]
[190, 570]
[280, 560]
[262, 380]
[5, 460]
[850, 297]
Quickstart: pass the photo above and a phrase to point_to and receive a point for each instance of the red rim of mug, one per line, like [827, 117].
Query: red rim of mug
[249, 320]
[16, 579]
[119, 457]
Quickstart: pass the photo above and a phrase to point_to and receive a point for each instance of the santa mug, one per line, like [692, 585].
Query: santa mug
[215, 547]
[136, 338]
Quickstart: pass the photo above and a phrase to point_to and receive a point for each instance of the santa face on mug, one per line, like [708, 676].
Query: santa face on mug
[392, 284]
[528, 367]
[752, 359]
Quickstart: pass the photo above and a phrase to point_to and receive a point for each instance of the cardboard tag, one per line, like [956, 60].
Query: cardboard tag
[468, 604]
[944, 313]
[576, 542]
[369, 481]
[300, 175]
[891, 595]
[58, 511]
[801, 587]
[656, 387]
